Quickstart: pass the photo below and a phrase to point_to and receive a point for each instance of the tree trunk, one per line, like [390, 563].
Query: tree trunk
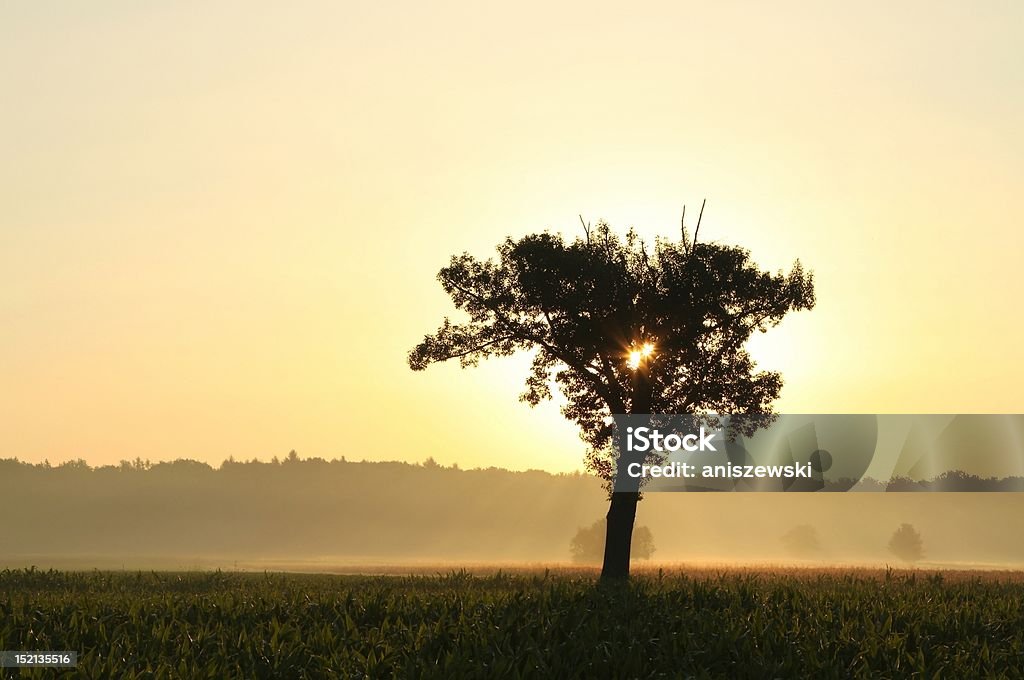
[619, 535]
[622, 510]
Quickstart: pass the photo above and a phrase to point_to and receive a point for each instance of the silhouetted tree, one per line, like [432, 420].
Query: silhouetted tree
[620, 328]
[587, 546]
[906, 543]
[801, 541]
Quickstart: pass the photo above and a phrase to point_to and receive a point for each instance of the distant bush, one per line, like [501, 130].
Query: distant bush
[802, 541]
[587, 547]
[906, 543]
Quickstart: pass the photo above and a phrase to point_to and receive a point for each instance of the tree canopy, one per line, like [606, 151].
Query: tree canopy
[602, 309]
[906, 543]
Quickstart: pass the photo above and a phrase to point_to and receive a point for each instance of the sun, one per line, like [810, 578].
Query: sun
[637, 356]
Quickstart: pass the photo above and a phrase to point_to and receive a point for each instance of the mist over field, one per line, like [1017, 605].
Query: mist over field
[324, 515]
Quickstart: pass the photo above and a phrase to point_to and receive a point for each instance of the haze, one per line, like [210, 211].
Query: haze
[343, 515]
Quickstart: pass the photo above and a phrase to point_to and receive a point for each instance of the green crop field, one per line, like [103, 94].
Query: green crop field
[686, 624]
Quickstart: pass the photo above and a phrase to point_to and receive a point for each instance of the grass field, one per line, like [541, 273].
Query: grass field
[698, 623]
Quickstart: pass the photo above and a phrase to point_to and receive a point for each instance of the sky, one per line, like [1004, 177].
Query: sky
[220, 224]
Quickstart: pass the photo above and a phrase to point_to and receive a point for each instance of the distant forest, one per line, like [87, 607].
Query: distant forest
[292, 507]
[392, 512]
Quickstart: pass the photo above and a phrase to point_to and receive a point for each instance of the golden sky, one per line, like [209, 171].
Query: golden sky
[220, 224]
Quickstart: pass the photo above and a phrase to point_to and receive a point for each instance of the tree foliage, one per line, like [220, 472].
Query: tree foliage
[802, 541]
[906, 543]
[583, 307]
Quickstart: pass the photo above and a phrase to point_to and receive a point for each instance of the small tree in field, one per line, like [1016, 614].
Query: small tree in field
[906, 543]
[802, 541]
[587, 546]
[620, 328]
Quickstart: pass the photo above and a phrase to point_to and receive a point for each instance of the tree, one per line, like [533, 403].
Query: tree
[906, 543]
[587, 546]
[802, 541]
[620, 329]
